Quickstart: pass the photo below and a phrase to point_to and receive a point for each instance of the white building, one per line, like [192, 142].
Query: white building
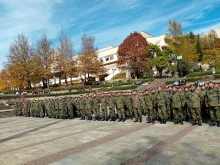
[109, 57]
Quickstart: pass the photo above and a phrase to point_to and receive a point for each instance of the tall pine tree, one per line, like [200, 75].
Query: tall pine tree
[199, 48]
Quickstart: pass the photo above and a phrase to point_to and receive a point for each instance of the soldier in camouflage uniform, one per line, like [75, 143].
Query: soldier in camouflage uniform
[129, 104]
[149, 107]
[111, 106]
[120, 108]
[136, 106]
[177, 107]
[212, 102]
[161, 106]
[41, 109]
[64, 109]
[183, 102]
[82, 107]
[193, 102]
[89, 106]
[142, 103]
[167, 95]
[56, 108]
[96, 106]
[70, 108]
[17, 108]
[27, 106]
[104, 106]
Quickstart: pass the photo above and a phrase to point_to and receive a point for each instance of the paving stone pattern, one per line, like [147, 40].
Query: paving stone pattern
[39, 141]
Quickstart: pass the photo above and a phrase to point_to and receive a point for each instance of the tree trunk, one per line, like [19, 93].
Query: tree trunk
[59, 80]
[66, 80]
[48, 83]
[71, 81]
[44, 83]
[29, 84]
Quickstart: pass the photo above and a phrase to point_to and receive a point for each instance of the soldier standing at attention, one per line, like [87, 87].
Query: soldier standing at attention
[104, 105]
[82, 107]
[96, 106]
[167, 95]
[177, 107]
[142, 103]
[212, 102]
[136, 106]
[183, 102]
[111, 106]
[88, 107]
[193, 103]
[149, 106]
[154, 101]
[120, 108]
[161, 106]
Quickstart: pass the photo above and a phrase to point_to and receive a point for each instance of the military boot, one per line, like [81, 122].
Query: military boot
[200, 122]
[164, 121]
[193, 122]
[148, 120]
[152, 120]
[106, 118]
[119, 120]
[136, 120]
[175, 121]
[181, 121]
[161, 121]
[218, 123]
[140, 119]
[212, 123]
[123, 120]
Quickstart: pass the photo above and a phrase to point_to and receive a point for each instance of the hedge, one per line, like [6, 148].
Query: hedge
[193, 79]
[73, 93]
[204, 73]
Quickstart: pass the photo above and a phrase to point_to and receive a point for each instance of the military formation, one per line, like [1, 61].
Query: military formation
[177, 104]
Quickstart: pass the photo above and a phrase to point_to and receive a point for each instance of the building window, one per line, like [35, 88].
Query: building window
[112, 58]
[107, 59]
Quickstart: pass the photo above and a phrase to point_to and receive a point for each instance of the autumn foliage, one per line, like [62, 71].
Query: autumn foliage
[133, 52]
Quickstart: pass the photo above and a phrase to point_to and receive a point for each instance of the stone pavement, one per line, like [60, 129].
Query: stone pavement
[39, 141]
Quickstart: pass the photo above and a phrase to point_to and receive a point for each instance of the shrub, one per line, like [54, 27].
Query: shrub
[196, 74]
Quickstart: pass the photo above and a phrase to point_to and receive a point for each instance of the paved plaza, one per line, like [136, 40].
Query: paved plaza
[36, 141]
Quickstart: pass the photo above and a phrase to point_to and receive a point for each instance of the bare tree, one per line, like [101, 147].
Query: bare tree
[88, 58]
[44, 59]
[65, 60]
[20, 59]
[175, 28]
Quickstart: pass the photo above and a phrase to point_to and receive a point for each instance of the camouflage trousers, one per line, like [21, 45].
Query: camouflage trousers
[214, 113]
[196, 113]
[104, 113]
[96, 112]
[121, 112]
[178, 113]
[129, 111]
[151, 112]
[82, 112]
[88, 112]
[70, 112]
[162, 111]
[112, 112]
[137, 112]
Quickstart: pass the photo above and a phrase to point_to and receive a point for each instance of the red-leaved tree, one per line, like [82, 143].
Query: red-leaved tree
[133, 52]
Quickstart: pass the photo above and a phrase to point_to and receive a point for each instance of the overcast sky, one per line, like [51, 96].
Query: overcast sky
[110, 21]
